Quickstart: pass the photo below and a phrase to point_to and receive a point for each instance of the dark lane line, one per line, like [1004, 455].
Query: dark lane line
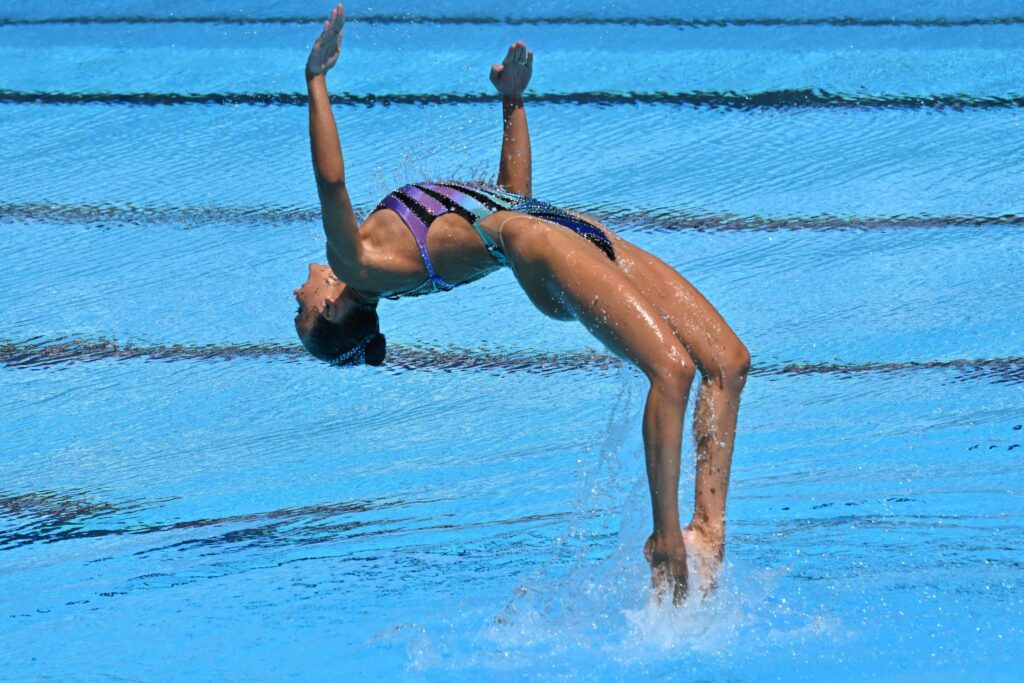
[44, 353]
[627, 220]
[678, 22]
[52, 517]
[109, 215]
[48, 517]
[790, 98]
[677, 221]
[48, 353]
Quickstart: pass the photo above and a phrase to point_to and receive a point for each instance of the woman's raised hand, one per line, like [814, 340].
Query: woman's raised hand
[512, 76]
[328, 46]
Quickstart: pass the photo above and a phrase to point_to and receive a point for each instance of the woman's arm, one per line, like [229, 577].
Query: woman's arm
[340, 224]
[511, 78]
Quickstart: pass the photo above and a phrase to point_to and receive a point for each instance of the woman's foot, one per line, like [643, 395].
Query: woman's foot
[707, 548]
[666, 551]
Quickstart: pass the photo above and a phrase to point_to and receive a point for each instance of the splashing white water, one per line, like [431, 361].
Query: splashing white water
[601, 608]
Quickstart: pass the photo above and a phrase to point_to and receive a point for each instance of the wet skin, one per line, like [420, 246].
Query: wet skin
[640, 308]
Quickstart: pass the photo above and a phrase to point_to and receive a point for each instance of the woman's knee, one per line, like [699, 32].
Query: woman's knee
[731, 367]
[673, 373]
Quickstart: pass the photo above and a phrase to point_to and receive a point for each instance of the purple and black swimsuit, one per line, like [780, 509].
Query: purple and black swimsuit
[420, 204]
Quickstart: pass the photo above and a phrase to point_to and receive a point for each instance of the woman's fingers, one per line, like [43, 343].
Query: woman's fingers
[512, 75]
[335, 22]
[327, 46]
[517, 52]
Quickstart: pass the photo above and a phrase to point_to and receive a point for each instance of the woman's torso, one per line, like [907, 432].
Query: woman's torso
[421, 238]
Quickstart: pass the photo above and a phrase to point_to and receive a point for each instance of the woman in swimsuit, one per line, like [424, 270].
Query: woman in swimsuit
[423, 238]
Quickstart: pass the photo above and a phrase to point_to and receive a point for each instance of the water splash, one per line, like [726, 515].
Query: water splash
[591, 607]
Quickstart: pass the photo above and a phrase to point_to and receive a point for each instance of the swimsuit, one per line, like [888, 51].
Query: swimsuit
[420, 204]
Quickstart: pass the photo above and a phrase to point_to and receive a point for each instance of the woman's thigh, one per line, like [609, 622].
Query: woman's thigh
[566, 277]
[697, 324]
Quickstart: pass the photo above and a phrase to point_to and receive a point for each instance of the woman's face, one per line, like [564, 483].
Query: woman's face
[316, 295]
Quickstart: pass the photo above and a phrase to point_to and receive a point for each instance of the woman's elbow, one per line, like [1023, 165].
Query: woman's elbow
[330, 179]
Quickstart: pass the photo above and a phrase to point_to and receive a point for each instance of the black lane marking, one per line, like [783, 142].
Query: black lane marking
[678, 22]
[792, 98]
[105, 215]
[44, 353]
[49, 353]
[48, 516]
[44, 517]
[672, 221]
[625, 220]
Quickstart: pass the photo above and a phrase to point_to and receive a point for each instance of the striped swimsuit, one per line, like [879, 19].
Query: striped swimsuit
[419, 204]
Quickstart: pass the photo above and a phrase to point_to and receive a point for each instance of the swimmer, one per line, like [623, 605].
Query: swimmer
[430, 237]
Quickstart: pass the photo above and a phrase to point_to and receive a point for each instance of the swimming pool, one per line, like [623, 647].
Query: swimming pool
[184, 495]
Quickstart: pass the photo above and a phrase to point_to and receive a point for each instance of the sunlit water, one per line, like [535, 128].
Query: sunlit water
[185, 496]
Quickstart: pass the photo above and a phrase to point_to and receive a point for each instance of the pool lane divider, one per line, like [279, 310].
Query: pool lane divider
[47, 353]
[783, 99]
[568, 20]
[623, 220]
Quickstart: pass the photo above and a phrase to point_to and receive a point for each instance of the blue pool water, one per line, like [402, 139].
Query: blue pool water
[185, 496]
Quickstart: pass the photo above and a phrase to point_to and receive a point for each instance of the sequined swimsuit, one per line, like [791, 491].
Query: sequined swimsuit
[420, 204]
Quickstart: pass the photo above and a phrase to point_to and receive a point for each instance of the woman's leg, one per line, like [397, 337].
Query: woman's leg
[723, 361]
[566, 278]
